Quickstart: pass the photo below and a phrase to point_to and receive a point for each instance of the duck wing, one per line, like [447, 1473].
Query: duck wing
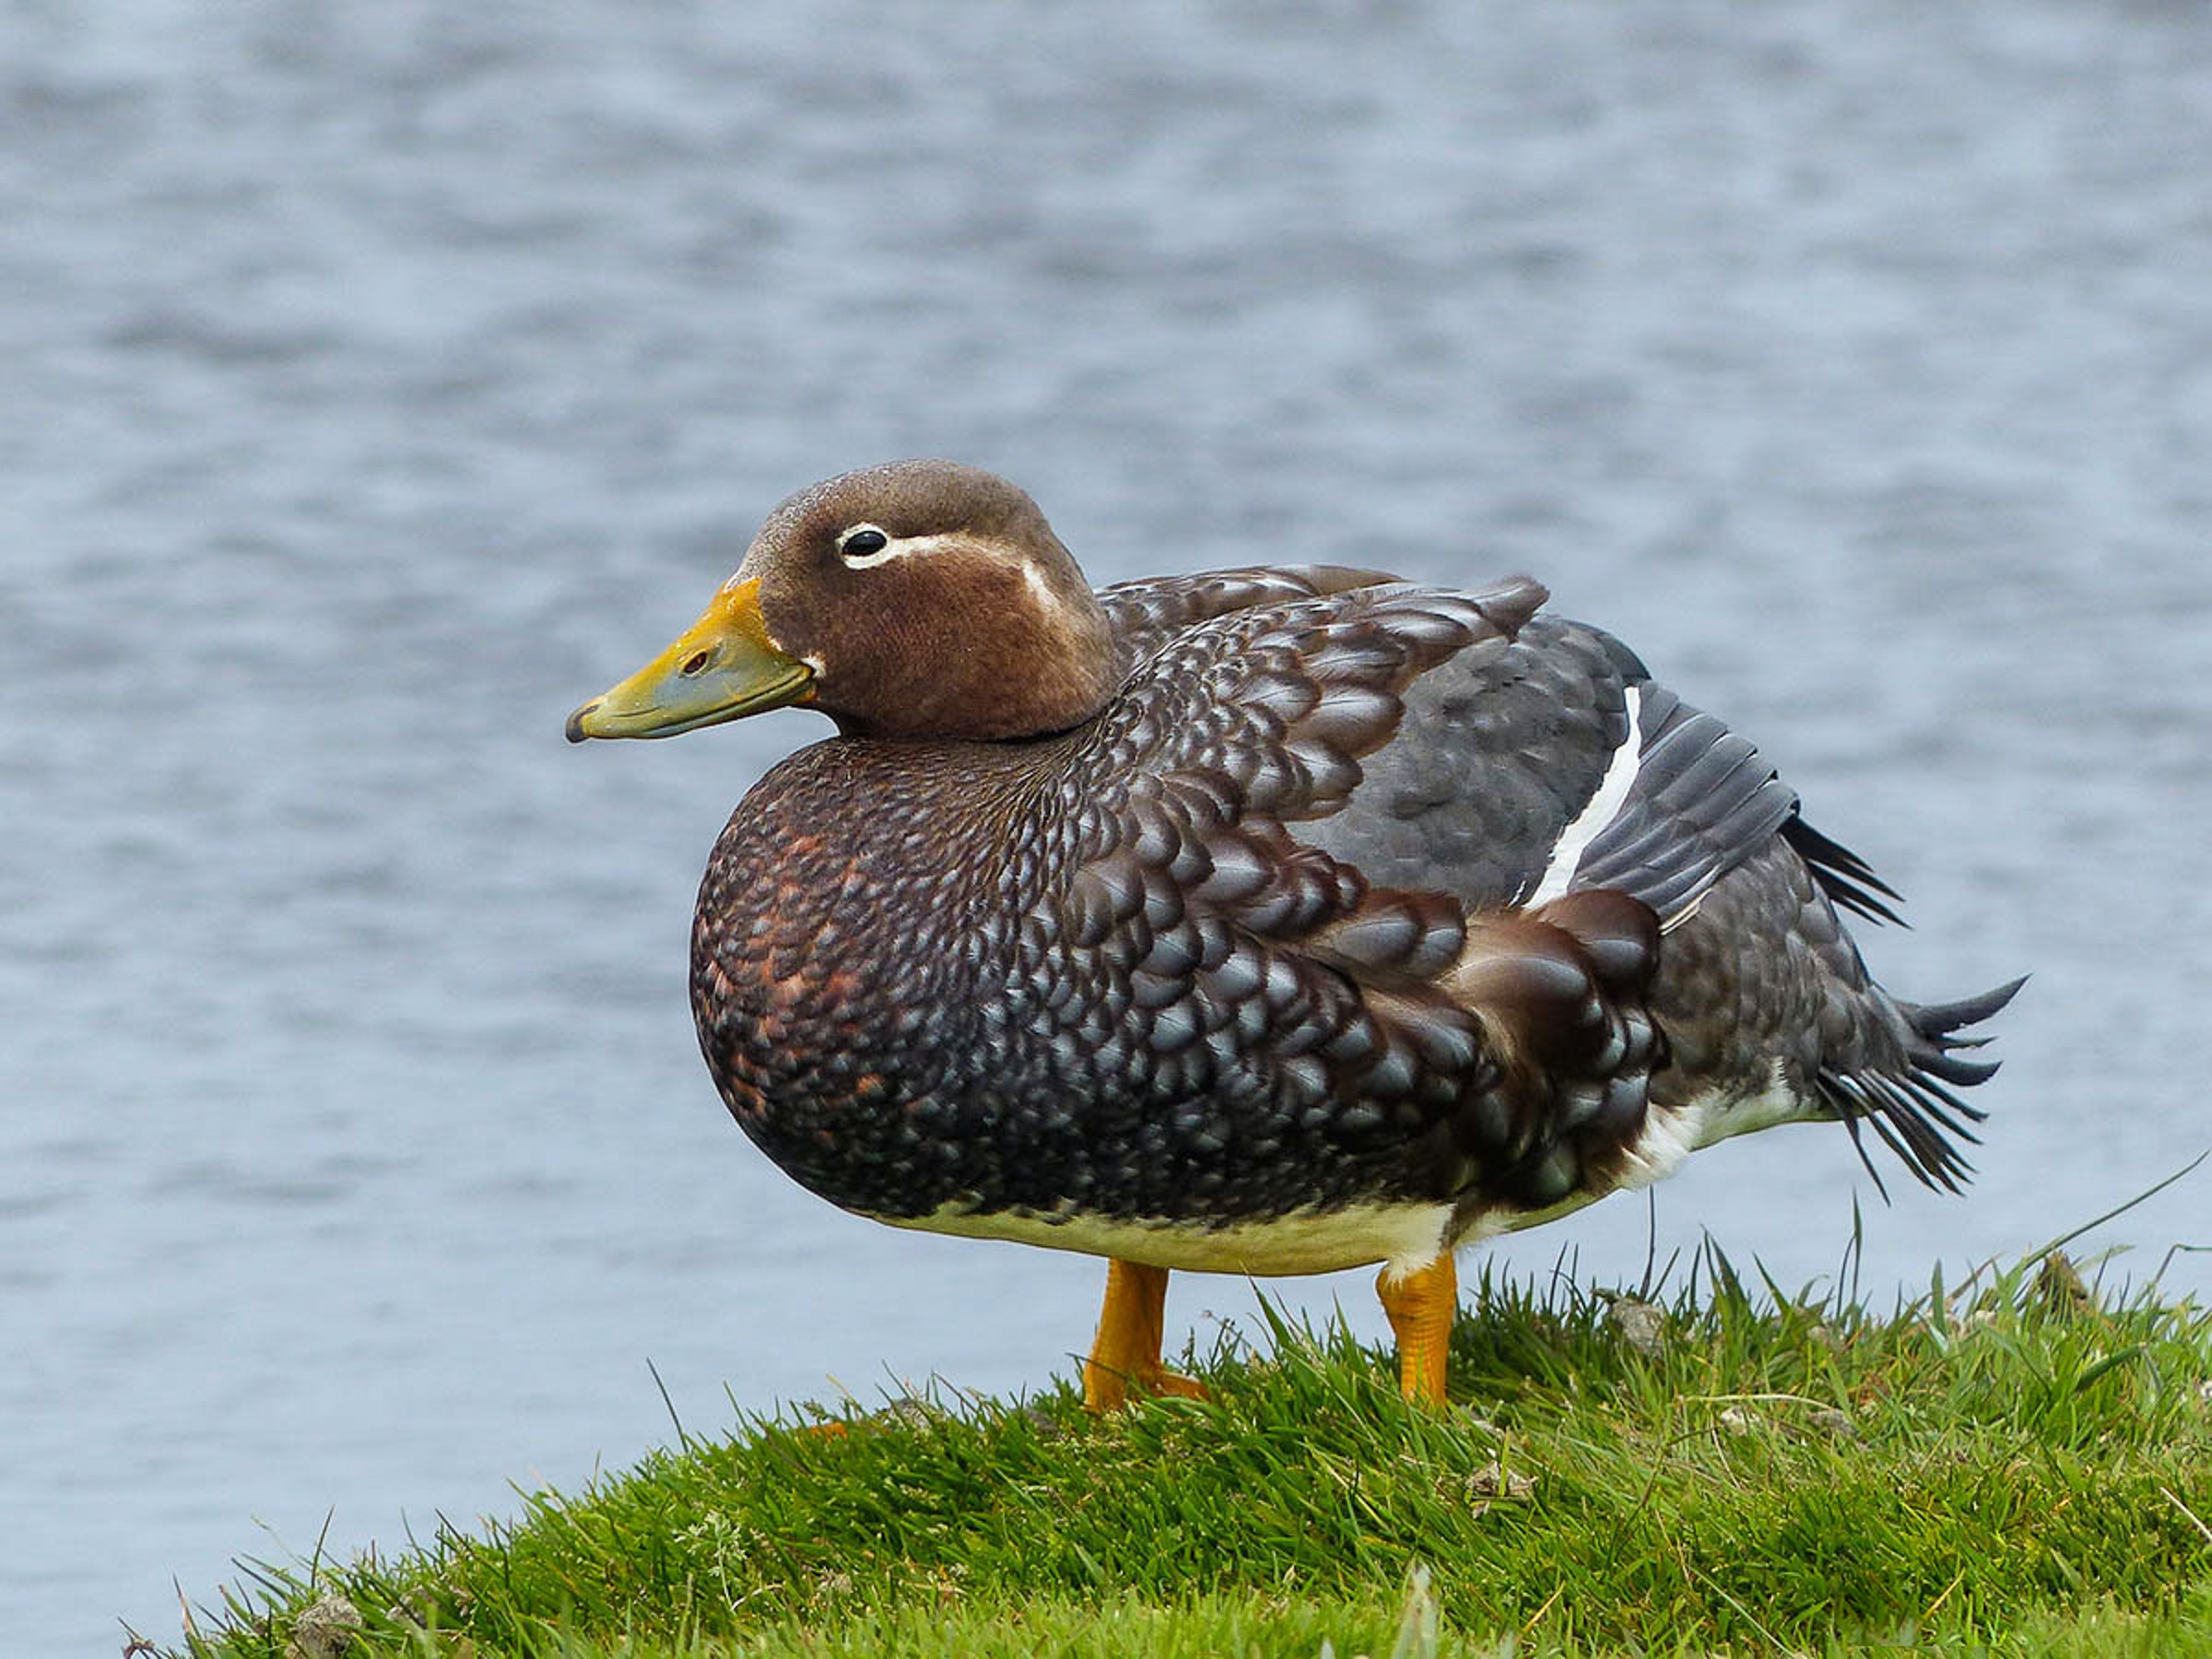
[1279, 984]
[1557, 765]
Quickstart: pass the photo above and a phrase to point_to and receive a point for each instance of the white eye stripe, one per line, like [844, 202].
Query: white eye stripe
[897, 547]
[903, 547]
[1039, 589]
[854, 532]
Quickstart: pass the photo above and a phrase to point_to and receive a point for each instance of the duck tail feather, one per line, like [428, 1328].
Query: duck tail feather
[1912, 1109]
[1914, 1125]
[1950, 1068]
[1939, 1023]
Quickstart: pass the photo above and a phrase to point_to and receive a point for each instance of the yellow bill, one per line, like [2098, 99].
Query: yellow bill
[724, 667]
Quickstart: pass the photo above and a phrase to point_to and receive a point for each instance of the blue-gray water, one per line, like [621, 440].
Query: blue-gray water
[383, 379]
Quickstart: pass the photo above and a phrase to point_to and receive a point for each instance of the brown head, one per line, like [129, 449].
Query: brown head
[917, 599]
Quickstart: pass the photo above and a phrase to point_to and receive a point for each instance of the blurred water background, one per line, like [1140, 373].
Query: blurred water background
[383, 379]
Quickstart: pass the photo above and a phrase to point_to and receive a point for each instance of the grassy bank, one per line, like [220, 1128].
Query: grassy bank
[2013, 1467]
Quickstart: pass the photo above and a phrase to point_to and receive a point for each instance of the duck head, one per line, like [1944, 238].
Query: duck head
[914, 600]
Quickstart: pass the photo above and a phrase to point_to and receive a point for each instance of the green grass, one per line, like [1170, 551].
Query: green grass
[2013, 1468]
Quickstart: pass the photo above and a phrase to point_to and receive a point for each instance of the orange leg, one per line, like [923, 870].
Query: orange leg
[1125, 1353]
[1421, 1307]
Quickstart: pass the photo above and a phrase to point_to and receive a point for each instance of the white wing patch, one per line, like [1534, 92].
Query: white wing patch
[1602, 809]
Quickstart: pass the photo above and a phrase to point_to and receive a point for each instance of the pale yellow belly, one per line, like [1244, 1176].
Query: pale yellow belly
[1408, 1236]
[1401, 1237]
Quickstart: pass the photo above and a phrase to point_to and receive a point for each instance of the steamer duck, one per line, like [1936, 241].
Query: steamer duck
[1265, 921]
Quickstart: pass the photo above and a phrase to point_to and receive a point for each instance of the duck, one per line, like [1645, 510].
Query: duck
[1267, 921]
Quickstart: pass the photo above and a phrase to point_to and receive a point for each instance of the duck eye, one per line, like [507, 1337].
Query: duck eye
[859, 543]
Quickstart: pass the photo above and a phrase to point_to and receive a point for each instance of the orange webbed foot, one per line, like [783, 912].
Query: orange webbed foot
[1421, 1306]
[1125, 1356]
